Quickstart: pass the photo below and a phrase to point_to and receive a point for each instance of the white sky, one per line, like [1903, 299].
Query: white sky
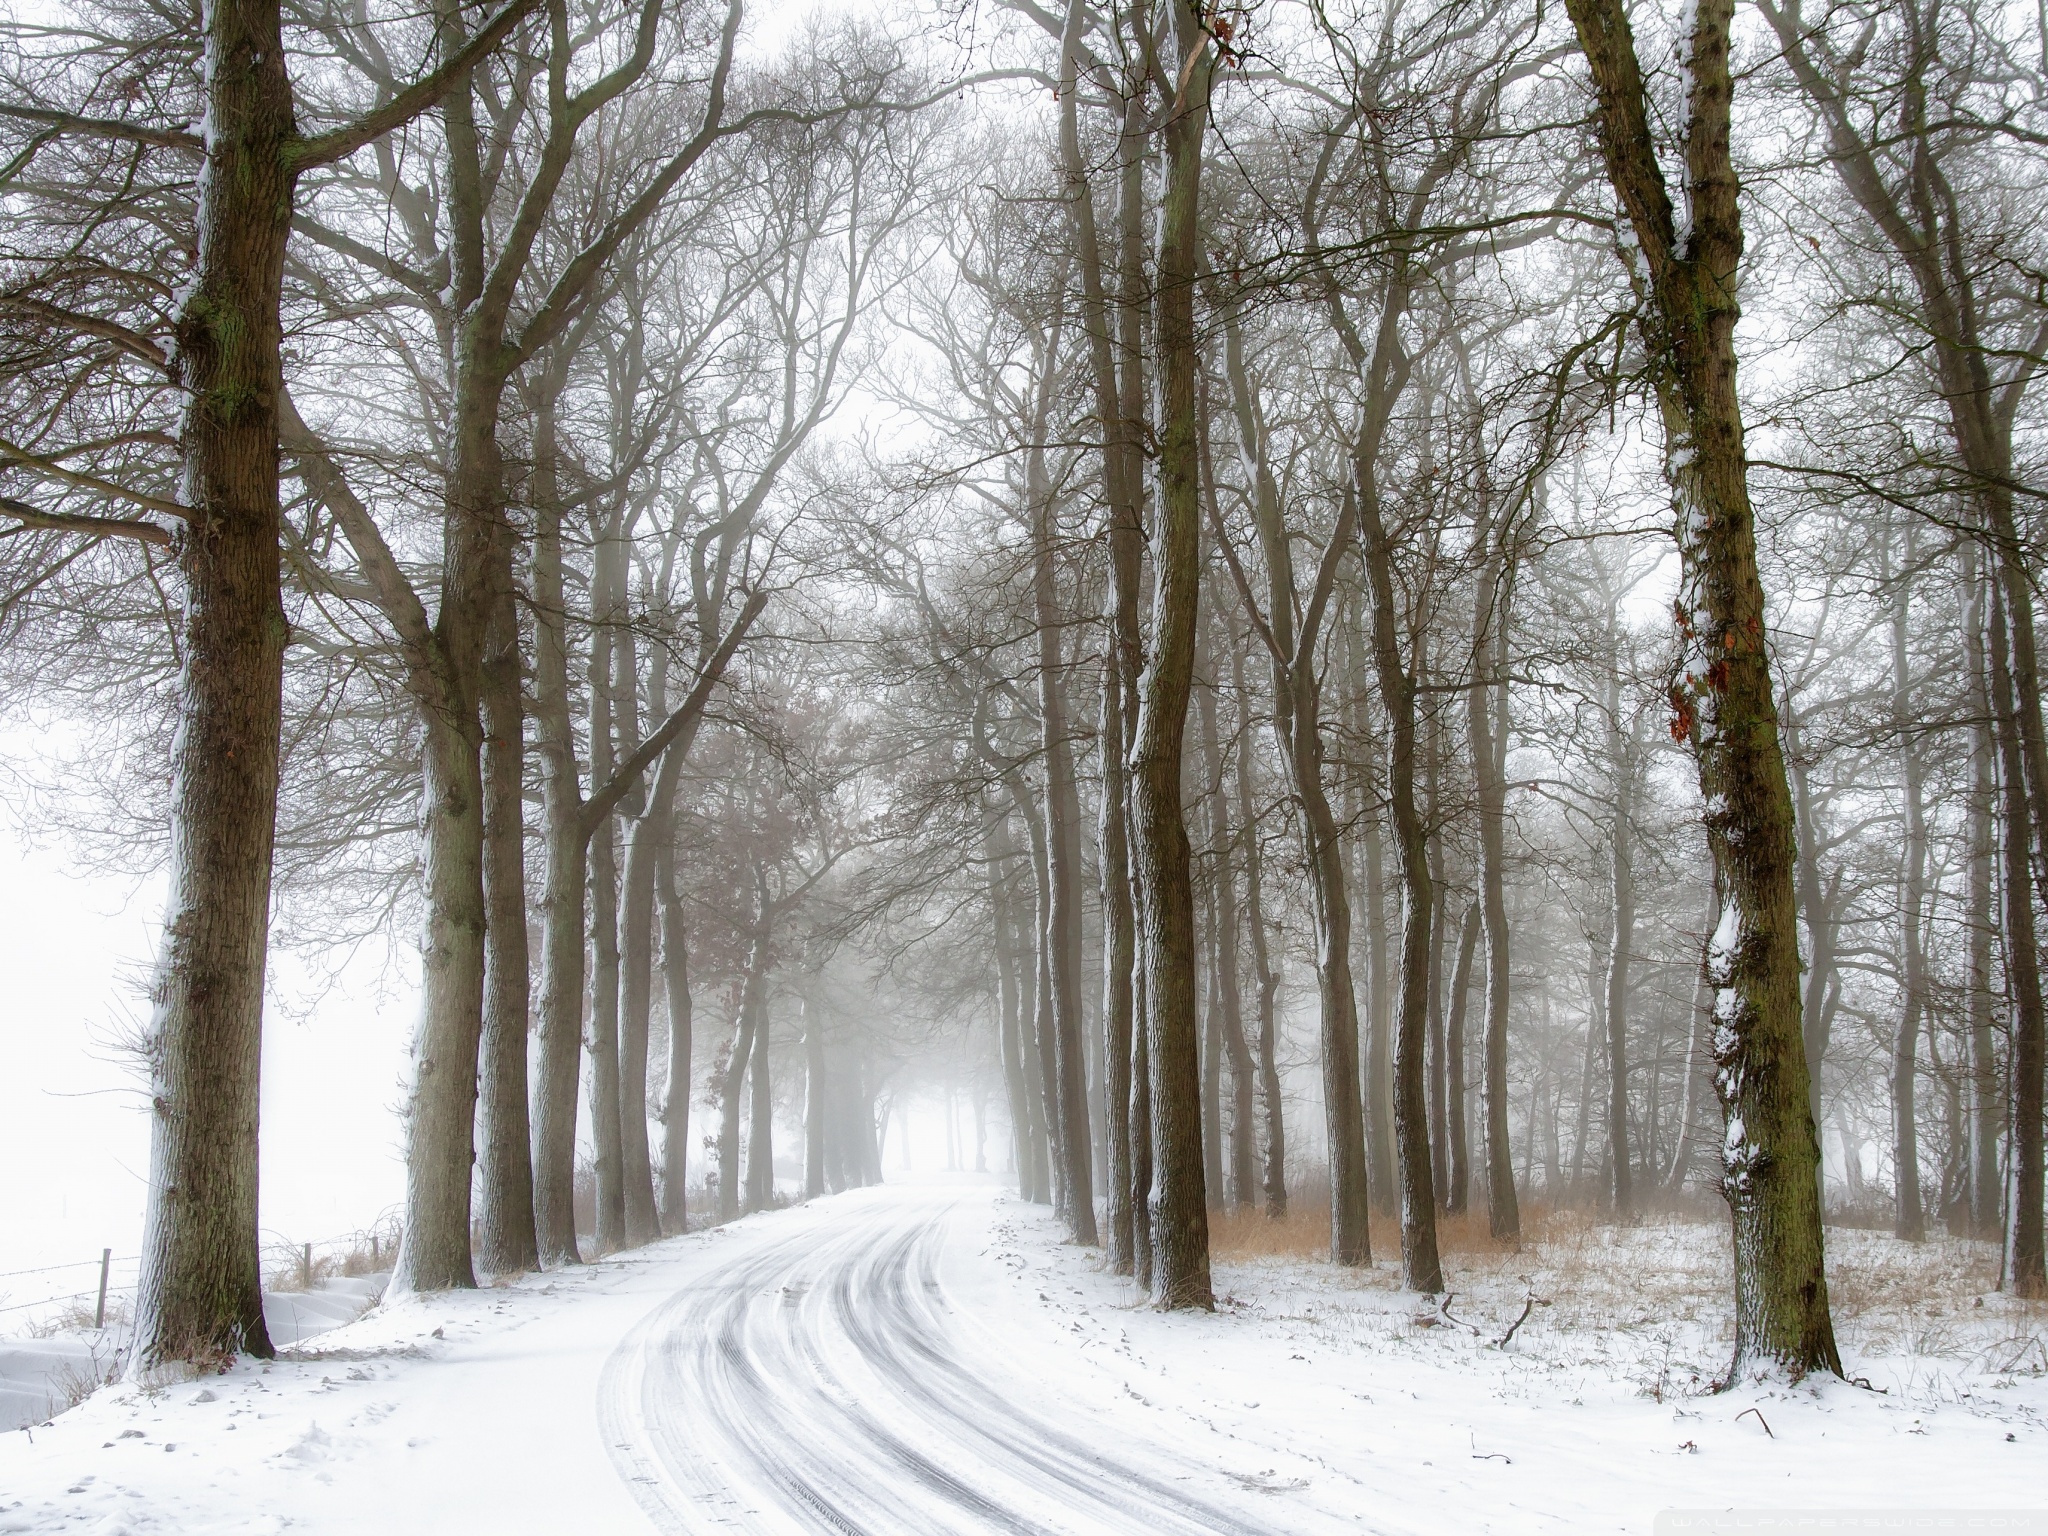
[75, 948]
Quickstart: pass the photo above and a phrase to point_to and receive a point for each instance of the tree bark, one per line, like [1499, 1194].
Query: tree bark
[1133, 391]
[1041, 1052]
[1621, 952]
[1986, 1090]
[1068, 1087]
[1909, 1217]
[2026, 1274]
[1726, 709]
[636, 1011]
[1028, 1143]
[606, 1101]
[1379, 1063]
[1241, 1177]
[1121, 472]
[675, 1109]
[199, 1302]
[817, 1099]
[651, 831]
[1487, 728]
[1274, 1148]
[1439, 917]
[1819, 905]
[745, 1020]
[1180, 1223]
[506, 1243]
[564, 885]
[1461, 991]
[761, 1126]
[1421, 1270]
[475, 560]
[1119, 955]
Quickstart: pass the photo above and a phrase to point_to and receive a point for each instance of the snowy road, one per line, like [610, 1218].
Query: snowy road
[833, 1380]
[931, 1358]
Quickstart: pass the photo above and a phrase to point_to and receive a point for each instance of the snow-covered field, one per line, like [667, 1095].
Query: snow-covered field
[43, 1375]
[930, 1357]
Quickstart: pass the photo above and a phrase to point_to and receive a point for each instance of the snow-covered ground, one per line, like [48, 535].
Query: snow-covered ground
[43, 1375]
[931, 1358]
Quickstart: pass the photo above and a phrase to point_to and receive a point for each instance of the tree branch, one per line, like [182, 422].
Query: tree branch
[99, 527]
[683, 718]
[340, 143]
[105, 128]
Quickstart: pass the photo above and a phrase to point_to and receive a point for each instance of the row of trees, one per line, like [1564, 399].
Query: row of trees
[1028, 586]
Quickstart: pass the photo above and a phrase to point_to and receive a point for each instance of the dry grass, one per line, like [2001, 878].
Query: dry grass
[1650, 1301]
[73, 1384]
[369, 1252]
[1304, 1232]
[77, 1316]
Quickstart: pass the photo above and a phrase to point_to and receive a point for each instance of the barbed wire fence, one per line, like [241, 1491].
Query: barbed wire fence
[99, 1293]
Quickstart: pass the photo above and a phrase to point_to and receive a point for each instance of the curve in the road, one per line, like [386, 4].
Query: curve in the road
[815, 1382]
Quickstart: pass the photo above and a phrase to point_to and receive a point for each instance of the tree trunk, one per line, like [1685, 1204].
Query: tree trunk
[1141, 1119]
[1212, 1074]
[1596, 1037]
[1986, 1091]
[1242, 1176]
[1121, 471]
[475, 562]
[1180, 1222]
[2025, 1272]
[565, 875]
[1817, 904]
[1040, 1050]
[199, 1301]
[817, 1099]
[1909, 1216]
[1698, 1058]
[505, 1239]
[1461, 992]
[1622, 771]
[1487, 728]
[761, 1126]
[434, 1253]
[650, 831]
[1439, 1065]
[1379, 1065]
[734, 1078]
[606, 1104]
[1725, 709]
[1209, 773]
[675, 1109]
[1439, 916]
[1028, 1145]
[1275, 1145]
[1067, 1081]
[1119, 955]
[1421, 1270]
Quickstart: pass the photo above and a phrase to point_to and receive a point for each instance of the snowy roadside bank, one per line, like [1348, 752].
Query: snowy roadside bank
[1354, 1405]
[44, 1376]
[454, 1412]
[807, 1360]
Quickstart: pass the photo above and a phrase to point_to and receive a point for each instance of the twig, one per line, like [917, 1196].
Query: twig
[1759, 1418]
[1444, 1307]
[1479, 1455]
[1528, 1306]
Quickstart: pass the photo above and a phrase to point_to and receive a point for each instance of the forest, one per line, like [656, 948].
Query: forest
[1397, 621]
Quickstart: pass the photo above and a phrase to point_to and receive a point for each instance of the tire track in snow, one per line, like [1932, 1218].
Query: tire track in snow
[814, 1383]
